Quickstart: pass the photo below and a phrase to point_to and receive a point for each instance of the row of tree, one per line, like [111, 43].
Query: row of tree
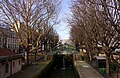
[33, 22]
[96, 23]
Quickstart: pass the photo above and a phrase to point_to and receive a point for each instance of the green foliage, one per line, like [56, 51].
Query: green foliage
[112, 67]
[102, 71]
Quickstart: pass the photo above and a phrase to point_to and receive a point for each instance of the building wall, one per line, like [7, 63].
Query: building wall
[16, 67]
[12, 44]
[66, 41]
[3, 73]
[11, 69]
[1, 42]
[10, 40]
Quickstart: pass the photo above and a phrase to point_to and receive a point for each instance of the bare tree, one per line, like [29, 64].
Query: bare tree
[98, 20]
[28, 18]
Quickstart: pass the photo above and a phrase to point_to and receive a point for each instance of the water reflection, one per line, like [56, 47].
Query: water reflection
[62, 67]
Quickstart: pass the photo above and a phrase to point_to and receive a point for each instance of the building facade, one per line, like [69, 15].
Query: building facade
[8, 40]
[66, 41]
[10, 63]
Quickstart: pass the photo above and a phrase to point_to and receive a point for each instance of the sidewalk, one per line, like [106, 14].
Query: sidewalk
[114, 75]
[86, 71]
[30, 71]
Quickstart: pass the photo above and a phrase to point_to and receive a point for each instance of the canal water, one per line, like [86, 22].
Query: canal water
[63, 67]
[63, 73]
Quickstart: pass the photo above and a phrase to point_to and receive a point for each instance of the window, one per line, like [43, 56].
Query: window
[12, 45]
[0, 39]
[19, 62]
[13, 64]
[8, 45]
[8, 40]
[11, 35]
[6, 68]
[15, 46]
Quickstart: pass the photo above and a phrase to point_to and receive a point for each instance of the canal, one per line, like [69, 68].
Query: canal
[62, 73]
[62, 67]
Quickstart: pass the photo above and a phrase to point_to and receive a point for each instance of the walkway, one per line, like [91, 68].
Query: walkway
[86, 71]
[30, 71]
[114, 75]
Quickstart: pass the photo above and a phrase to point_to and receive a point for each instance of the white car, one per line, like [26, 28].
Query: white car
[117, 50]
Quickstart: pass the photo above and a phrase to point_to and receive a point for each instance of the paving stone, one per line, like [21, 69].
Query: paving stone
[86, 71]
[29, 71]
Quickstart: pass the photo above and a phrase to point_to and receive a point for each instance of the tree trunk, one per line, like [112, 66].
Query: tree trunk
[35, 55]
[45, 46]
[77, 47]
[90, 56]
[26, 57]
[107, 65]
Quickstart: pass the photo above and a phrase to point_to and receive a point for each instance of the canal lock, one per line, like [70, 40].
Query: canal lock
[61, 61]
[61, 66]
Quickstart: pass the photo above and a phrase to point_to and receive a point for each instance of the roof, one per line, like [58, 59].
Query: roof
[7, 55]
[100, 57]
[4, 52]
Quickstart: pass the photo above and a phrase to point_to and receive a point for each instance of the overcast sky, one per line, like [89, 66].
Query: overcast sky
[62, 28]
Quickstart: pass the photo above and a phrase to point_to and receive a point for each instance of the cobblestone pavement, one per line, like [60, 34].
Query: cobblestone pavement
[114, 75]
[86, 71]
[29, 71]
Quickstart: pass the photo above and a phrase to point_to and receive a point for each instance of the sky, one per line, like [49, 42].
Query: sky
[62, 28]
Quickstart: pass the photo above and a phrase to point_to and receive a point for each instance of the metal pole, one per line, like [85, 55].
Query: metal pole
[117, 72]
